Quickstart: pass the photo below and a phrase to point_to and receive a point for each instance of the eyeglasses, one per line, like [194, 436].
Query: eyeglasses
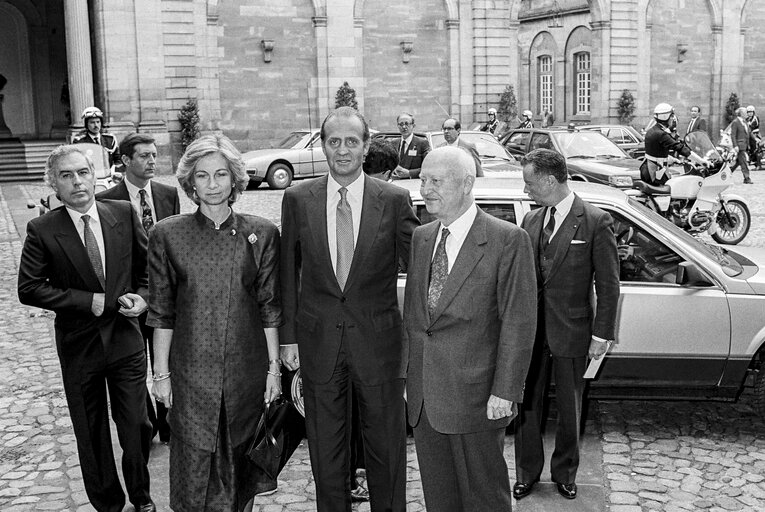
[404, 124]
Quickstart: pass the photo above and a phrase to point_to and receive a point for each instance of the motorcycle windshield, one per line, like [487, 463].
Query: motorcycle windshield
[700, 144]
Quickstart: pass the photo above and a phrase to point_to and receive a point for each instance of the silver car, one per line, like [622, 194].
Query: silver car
[691, 320]
[298, 155]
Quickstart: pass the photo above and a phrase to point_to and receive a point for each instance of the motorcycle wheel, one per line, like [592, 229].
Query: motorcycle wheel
[733, 226]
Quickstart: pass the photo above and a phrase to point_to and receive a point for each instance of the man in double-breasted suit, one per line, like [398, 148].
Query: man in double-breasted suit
[343, 237]
[470, 316]
[412, 149]
[152, 202]
[79, 260]
[574, 245]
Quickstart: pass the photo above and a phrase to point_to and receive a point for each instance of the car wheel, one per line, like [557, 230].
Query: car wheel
[733, 226]
[279, 176]
[759, 388]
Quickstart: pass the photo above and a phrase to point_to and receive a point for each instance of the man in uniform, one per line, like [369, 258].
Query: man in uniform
[93, 119]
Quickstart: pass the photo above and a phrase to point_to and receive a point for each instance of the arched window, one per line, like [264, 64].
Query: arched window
[582, 82]
[545, 73]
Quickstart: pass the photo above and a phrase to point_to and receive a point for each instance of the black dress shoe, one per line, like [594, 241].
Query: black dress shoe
[568, 491]
[146, 507]
[164, 435]
[521, 490]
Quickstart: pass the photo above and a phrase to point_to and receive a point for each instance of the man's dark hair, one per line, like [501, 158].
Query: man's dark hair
[381, 157]
[696, 107]
[547, 161]
[131, 140]
[345, 112]
[457, 124]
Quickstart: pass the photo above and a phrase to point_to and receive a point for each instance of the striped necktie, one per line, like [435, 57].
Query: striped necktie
[344, 232]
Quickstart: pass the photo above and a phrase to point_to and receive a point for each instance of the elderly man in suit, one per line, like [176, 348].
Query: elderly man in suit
[739, 135]
[343, 238]
[470, 317]
[86, 261]
[411, 148]
[152, 202]
[452, 128]
[696, 122]
[574, 245]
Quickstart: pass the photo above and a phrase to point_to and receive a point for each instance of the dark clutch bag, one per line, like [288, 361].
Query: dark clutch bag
[279, 432]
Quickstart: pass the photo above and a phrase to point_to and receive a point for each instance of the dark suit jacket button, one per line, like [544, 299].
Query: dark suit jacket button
[339, 326]
[429, 333]
[342, 299]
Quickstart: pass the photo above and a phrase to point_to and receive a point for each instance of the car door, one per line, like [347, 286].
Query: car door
[668, 335]
[516, 143]
[540, 140]
[312, 161]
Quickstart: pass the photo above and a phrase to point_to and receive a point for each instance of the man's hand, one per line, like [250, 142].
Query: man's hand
[401, 173]
[498, 408]
[97, 304]
[139, 305]
[597, 348]
[289, 356]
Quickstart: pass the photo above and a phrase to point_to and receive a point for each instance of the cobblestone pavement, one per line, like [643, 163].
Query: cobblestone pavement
[638, 455]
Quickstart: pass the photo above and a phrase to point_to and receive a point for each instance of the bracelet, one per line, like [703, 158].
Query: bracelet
[160, 376]
[275, 361]
[275, 374]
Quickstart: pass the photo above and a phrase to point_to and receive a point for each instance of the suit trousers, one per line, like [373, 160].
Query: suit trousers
[569, 392]
[85, 386]
[383, 429]
[462, 472]
[741, 162]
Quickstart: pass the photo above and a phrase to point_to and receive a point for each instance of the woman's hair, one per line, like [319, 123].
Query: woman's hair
[209, 145]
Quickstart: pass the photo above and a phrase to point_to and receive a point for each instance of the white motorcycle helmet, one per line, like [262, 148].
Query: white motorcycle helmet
[528, 114]
[663, 112]
[492, 111]
[92, 112]
[750, 109]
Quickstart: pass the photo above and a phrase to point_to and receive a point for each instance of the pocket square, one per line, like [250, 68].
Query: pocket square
[578, 242]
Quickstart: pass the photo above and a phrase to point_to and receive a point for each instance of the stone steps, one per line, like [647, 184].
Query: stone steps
[24, 160]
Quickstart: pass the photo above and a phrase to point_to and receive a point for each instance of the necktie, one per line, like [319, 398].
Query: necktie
[690, 125]
[402, 153]
[91, 246]
[439, 271]
[344, 232]
[146, 218]
[549, 228]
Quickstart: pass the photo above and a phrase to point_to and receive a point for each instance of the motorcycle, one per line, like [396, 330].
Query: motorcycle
[697, 201]
[106, 177]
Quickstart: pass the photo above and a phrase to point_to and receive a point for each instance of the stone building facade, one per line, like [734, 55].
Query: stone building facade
[261, 68]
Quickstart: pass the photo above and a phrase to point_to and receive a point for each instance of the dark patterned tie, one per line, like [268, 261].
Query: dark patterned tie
[93, 253]
[344, 233]
[402, 152]
[549, 228]
[146, 219]
[439, 271]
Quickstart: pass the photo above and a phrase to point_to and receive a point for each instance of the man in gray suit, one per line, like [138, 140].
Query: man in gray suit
[452, 128]
[470, 316]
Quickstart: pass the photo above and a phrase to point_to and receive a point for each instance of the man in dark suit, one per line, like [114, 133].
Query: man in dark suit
[574, 245]
[343, 238]
[696, 122]
[86, 261]
[739, 135]
[411, 148]
[470, 317]
[452, 128]
[152, 202]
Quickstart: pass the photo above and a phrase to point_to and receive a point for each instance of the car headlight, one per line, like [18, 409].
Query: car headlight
[620, 181]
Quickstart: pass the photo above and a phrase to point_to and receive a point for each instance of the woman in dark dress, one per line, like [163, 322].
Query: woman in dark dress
[214, 304]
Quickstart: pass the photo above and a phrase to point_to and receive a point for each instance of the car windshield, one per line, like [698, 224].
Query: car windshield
[586, 144]
[293, 140]
[486, 145]
[729, 265]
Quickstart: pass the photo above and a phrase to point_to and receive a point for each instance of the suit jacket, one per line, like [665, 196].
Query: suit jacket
[472, 151]
[699, 125]
[165, 197]
[479, 340]
[739, 134]
[317, 313]
[420, 147]
[586, 251]
[55, 273]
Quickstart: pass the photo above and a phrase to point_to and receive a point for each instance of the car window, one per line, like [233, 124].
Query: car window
[503, 211]
[518, 139]
[293, 140]
[616, 135]
[316, 142]
[540, 140]
[487, 146]
[586, 144]
[436, 140]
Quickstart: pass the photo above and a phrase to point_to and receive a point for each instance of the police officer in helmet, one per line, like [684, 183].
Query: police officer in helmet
[526, 120]
[492, 124]
[93, 119]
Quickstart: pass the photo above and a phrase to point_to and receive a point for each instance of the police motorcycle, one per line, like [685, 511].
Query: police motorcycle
[697, 201]
[106, 177]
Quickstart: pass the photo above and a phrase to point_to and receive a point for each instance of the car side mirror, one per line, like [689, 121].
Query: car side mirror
[688, 274]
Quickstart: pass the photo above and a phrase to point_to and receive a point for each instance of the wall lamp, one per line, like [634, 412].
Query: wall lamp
[682, 49]
[268, 48]
[406, 48]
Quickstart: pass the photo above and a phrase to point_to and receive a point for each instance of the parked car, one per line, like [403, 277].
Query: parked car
[494, 157]
[298, 155]
[691, 317]
[626, 137]
[590, 156]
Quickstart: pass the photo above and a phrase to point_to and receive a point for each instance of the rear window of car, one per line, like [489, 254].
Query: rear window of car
[502, 211]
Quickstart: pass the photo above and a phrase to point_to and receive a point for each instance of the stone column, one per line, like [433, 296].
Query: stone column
[322, 97]
[78, 58]
[453, 37]
[151, 90]
[601, 95]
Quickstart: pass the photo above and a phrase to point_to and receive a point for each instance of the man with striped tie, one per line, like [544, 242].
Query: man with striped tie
[152, 202]
[86, 261]
[344, 236]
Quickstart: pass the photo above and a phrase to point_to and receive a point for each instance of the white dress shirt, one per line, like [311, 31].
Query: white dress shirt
[458, 231]
[561, 212]
[135, 199]
[95, 226]
[355, 197]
